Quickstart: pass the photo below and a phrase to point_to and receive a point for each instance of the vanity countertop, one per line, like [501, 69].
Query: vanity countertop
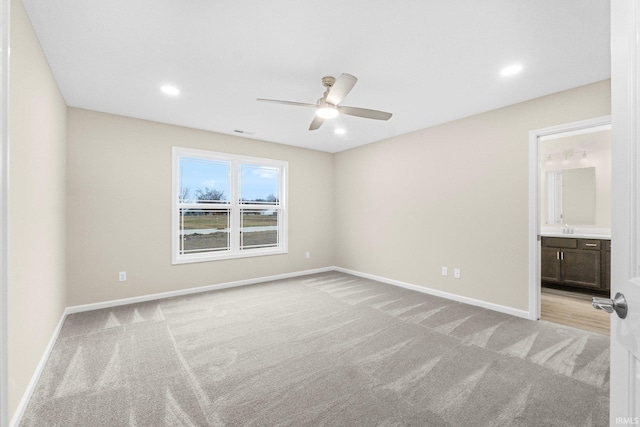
[578, 233]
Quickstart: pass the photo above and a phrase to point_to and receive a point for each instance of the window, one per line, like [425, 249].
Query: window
[227, 206]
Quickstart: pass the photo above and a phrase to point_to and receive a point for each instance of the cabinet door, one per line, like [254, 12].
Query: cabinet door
[550, 265]
[581, 268]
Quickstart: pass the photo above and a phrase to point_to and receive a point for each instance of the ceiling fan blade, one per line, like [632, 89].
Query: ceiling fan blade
[297, 104]
[365, 112]
[341, 88]
[316, 123]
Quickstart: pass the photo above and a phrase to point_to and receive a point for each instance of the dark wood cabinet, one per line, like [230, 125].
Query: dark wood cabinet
[606, 265]
[550, 262]
[573, 262]
[581, 268]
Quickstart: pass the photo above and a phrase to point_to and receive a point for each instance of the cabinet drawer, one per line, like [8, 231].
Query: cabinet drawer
[591, 244]
[559, 242]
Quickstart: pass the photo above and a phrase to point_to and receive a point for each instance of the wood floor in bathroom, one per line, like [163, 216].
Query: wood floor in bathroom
[573, 309]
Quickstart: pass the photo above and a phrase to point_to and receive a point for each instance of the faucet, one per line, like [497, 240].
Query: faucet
[567, 229]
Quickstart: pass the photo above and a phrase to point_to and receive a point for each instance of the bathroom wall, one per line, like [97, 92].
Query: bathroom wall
[597, 147]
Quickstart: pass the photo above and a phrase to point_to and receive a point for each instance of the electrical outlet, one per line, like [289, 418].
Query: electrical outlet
[308, 255]
[445, 271]
[456, 273]
[122, 276]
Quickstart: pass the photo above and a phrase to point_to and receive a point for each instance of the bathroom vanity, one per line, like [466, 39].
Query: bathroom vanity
[576, 262]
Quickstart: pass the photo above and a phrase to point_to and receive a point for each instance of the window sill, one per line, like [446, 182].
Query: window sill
[227, 256]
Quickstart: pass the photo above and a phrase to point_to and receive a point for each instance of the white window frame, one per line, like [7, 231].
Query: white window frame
[233, 205]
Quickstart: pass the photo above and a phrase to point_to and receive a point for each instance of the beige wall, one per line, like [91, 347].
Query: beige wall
[453, 195]
[37, 125]
[119, 208]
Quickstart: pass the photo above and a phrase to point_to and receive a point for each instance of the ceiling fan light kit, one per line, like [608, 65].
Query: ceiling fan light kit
[328, 106]
[327, 112]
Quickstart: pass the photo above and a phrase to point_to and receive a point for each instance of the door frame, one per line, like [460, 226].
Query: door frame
[567, 129]
[4, 221]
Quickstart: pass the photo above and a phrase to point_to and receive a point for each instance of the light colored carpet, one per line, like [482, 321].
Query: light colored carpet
[322, 350]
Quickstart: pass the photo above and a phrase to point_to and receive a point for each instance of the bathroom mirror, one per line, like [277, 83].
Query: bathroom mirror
[571, 196]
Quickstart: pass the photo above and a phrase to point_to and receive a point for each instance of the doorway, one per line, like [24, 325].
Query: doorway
[570, 222]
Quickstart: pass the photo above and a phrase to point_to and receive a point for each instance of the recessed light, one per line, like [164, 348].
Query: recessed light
[340, 131]
[511, 70]
[170, 90]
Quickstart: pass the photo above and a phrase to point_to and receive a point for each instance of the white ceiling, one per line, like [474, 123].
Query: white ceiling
[427, 62]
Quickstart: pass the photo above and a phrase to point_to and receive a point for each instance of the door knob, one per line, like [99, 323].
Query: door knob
[617, 304]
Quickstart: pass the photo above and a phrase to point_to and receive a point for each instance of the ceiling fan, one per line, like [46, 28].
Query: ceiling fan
[328, 106]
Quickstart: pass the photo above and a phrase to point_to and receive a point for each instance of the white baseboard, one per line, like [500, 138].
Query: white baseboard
[181, 292]
[15, 421]
[447, 295]
[22, 406]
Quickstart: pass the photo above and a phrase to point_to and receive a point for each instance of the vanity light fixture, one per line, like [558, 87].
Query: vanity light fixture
[565, 156]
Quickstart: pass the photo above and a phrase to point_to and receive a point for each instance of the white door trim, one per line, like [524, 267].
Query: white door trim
[534, 198]
[4, 222]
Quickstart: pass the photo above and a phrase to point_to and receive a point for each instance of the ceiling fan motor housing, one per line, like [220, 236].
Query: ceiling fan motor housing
[328, 81]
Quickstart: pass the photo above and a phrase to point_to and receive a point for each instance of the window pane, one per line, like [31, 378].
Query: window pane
[259, 228]
[203, 181]
[259, 184]
[203, 230]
